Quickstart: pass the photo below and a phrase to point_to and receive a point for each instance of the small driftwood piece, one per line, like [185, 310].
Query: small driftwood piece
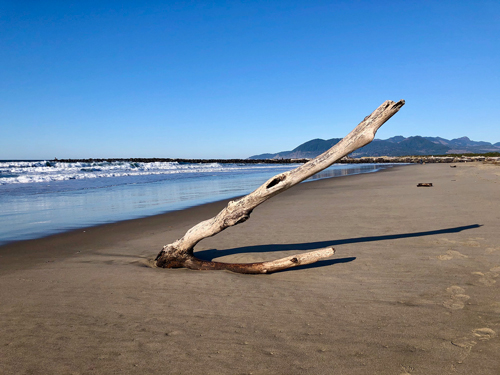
[180, 253]
[424, 184]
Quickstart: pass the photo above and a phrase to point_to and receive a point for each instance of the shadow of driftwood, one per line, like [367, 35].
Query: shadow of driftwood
[214, 253]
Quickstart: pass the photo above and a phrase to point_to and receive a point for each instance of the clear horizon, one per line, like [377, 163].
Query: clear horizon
[187, 158]
[232, 79]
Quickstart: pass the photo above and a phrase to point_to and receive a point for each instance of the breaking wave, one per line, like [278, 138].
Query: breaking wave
[20, 172]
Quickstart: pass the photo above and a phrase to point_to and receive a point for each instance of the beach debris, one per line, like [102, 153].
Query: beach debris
[424, 184]
[453, 166]
[181, 252]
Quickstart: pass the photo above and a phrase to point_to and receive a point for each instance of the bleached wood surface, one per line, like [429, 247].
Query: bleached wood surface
[180, 252]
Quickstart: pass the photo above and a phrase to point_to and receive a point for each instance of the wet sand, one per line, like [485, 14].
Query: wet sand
[412, 288]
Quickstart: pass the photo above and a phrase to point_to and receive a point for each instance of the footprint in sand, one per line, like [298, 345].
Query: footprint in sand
[495, 306]
[484, 334]
[450, 254]
[468, 342]
[487, 278]
[457, 298]
[491, 250]
[406, 370]
[495, 270]
[444, 241]
[470, 242]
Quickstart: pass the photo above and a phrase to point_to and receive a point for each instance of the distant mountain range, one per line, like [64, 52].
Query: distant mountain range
[395, 146]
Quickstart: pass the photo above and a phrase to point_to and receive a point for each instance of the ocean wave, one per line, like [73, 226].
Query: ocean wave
[22, 172]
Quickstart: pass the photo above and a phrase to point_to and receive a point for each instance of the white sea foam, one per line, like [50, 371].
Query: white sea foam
[21, 172]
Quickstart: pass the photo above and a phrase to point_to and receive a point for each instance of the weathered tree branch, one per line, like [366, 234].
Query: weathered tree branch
[262, 267]
[180, 253]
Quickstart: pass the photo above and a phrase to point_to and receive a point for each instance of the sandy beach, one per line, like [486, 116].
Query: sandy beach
[412, 289]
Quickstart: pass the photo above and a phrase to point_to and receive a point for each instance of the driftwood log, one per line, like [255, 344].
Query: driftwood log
[180, 253]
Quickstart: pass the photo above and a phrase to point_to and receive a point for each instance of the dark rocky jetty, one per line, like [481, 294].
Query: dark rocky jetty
[345, 160]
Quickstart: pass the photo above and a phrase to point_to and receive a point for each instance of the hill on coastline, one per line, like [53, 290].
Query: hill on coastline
[394, 146]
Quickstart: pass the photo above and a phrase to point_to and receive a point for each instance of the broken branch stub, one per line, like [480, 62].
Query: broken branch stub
[180, 253]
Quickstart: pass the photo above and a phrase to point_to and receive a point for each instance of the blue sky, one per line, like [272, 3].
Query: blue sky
[224, 79]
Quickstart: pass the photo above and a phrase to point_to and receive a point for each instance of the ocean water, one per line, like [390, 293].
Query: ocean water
[39, 198]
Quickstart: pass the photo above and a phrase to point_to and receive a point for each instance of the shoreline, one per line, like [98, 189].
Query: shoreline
[412, 288]
[173, 207]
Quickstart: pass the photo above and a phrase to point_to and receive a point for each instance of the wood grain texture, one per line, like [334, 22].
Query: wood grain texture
[180, 253]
